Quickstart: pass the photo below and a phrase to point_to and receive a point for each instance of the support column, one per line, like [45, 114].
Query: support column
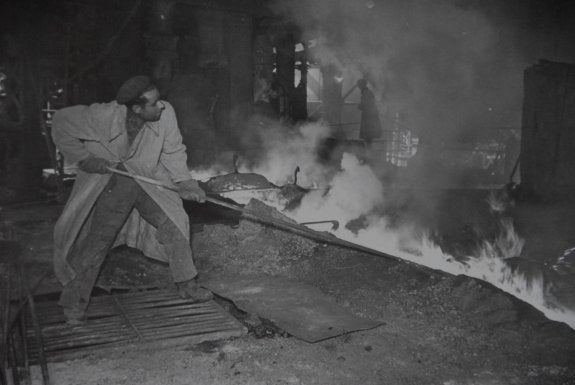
[285, 63]
[240, 53]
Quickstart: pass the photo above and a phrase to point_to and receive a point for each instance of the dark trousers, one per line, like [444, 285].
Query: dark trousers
[111, 210]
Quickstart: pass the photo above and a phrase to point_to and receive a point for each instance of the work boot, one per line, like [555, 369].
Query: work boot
[74, 315]
[191, 290]
[73, 305]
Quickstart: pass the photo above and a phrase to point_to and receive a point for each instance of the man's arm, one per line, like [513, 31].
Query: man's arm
[174, 158]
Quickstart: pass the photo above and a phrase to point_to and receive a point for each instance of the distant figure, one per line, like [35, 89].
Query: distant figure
[370, 127]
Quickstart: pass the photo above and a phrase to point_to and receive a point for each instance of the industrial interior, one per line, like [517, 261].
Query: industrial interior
[374, 192]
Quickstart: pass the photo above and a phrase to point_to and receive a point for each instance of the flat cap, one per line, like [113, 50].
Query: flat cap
[133, 88]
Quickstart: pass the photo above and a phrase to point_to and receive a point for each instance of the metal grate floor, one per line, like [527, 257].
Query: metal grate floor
[152, 318]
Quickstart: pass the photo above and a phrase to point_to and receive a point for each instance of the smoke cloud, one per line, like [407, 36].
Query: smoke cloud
[353, 191]
[451, 70]
[275, 151]
[440, 64]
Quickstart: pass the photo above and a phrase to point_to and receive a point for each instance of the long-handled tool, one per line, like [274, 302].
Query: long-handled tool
[281, 224]
[144, 179]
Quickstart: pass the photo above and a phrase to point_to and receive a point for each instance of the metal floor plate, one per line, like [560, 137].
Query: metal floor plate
[155, 318]
[299, 309]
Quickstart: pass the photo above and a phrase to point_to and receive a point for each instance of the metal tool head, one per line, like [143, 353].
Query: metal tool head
[334, 223]
[297, 170]
[236, 162]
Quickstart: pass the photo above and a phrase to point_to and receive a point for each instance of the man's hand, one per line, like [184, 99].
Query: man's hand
[95, 165]
[190, 190]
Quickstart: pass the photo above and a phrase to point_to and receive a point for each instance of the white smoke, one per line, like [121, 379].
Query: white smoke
[353, 191]
[285, 149]
[275, 151]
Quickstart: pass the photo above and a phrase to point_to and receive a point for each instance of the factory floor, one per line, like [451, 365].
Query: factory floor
[436, 328]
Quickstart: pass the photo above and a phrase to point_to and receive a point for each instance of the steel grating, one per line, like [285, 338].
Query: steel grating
[157, 318]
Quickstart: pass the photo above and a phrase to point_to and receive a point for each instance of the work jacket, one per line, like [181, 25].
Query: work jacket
[157, 152]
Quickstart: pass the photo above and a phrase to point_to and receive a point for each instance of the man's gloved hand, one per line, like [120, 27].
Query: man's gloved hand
[190, 190]
[95, 165]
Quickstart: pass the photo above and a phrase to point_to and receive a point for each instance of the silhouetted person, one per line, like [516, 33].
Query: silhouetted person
[370, 127]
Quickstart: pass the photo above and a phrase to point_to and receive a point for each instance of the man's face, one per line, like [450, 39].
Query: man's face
[152, 109]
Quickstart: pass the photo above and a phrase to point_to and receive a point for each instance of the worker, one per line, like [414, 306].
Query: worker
[137, 133]
[370, 126]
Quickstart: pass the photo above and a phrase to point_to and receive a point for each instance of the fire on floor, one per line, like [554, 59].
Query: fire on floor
[157, 318]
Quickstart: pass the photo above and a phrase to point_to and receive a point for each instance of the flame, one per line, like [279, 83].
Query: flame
[488, 265]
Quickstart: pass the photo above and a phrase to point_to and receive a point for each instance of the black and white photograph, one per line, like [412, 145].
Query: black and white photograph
[287, 192]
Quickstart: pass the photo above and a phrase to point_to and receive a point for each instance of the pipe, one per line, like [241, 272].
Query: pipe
[348, 92]
[297, 170]
[37, 328]
[25, 301]
[6, 327]
[26, 353]
[24, 339]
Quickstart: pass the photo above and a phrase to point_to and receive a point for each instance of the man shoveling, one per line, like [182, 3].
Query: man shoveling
[137, 133]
